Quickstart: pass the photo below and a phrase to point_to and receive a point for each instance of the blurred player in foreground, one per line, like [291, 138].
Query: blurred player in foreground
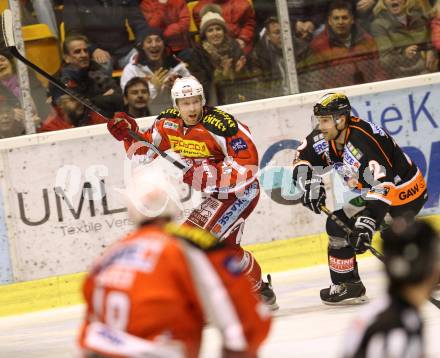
[151, 293]
[392, 326]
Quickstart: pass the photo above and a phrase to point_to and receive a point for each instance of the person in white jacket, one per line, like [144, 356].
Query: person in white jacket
[160, 69]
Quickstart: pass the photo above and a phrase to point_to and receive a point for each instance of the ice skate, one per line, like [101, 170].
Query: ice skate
[268, 295]
[347, 293]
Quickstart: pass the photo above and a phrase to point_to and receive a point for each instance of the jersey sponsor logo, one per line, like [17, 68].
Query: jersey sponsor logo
[318, 137]
[348, 173]
[188, 147]
[381, 190]
[376, 129]
[171, 125]
[406, 194]
[235, 210]
[196, 236]
[220, 123]
[355, 151]
[169, 112]
[238, 144]
[321, 146]
[341, 265]
[350, 160]
[207, 210]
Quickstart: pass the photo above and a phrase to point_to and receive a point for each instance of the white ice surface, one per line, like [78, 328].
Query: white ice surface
[303, 327]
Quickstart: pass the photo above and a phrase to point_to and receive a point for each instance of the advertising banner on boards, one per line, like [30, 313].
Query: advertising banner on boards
[62, 207]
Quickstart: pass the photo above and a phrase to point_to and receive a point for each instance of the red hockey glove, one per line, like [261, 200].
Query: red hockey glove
[201, 175]
[120, 124]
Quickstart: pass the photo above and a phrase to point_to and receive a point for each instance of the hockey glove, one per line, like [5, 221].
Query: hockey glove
[314, 193]
[120, 124]
[201, 175]
[362, 234]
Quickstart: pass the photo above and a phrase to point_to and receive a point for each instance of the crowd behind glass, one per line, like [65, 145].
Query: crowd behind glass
[124, 55]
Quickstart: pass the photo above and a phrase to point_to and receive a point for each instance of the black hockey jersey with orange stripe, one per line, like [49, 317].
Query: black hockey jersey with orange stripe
[370, 161]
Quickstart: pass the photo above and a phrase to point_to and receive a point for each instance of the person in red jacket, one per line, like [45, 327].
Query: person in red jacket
[343, 54]
[240, 19]
[222, 160]
[151, 293]
[172, 17]
[69, 113]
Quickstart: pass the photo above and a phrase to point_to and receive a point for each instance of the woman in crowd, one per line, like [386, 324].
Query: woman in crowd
[10, 89]
[218, 62]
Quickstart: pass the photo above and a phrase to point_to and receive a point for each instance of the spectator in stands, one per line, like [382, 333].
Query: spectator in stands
[69, 114]
[172, 17]
[364, 13]
[136, 96]
[239, 16]
[269, 57]
[10, 124]
[402, 32]
[86, 77]
[218, 60]
[154, 63]
[104, 24]
[309, 18]
[10, 88]
[435, 26]
[343, 54]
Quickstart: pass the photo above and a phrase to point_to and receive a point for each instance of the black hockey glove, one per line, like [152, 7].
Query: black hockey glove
[314, 193]
[362, 234]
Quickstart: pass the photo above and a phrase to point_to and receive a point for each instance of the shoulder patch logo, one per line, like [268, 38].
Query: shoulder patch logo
[171, 125]
[238, 144]
[220, 123]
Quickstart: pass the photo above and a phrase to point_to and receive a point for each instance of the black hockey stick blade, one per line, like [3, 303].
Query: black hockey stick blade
[435, 302]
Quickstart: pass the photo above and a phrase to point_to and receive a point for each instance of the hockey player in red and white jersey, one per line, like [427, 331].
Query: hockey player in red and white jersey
[151, 293]
[223, 163]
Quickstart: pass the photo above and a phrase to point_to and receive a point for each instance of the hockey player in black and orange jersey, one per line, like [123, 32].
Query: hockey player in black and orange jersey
[150, 294]
[223, 160]
[371, 162]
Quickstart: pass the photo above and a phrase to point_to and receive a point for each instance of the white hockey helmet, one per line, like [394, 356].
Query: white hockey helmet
[150, 194]
[187, 87]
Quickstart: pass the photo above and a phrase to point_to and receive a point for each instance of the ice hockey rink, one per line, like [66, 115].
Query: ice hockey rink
[302, 327]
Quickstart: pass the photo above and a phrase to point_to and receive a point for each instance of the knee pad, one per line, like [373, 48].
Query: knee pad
[337, 236]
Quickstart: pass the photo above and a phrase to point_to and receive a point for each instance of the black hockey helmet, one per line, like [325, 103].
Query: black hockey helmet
[411, 250]
[332, 104]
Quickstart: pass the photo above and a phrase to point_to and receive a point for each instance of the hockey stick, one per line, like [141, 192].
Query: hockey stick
[7, 41]
[156, 150]
[376, 253]
[348, 231]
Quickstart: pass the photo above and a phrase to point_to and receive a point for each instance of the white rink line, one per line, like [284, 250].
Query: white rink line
[303, 327]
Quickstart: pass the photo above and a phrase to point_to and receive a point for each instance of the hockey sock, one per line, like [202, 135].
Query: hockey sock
[250, 267]
[342, 264]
